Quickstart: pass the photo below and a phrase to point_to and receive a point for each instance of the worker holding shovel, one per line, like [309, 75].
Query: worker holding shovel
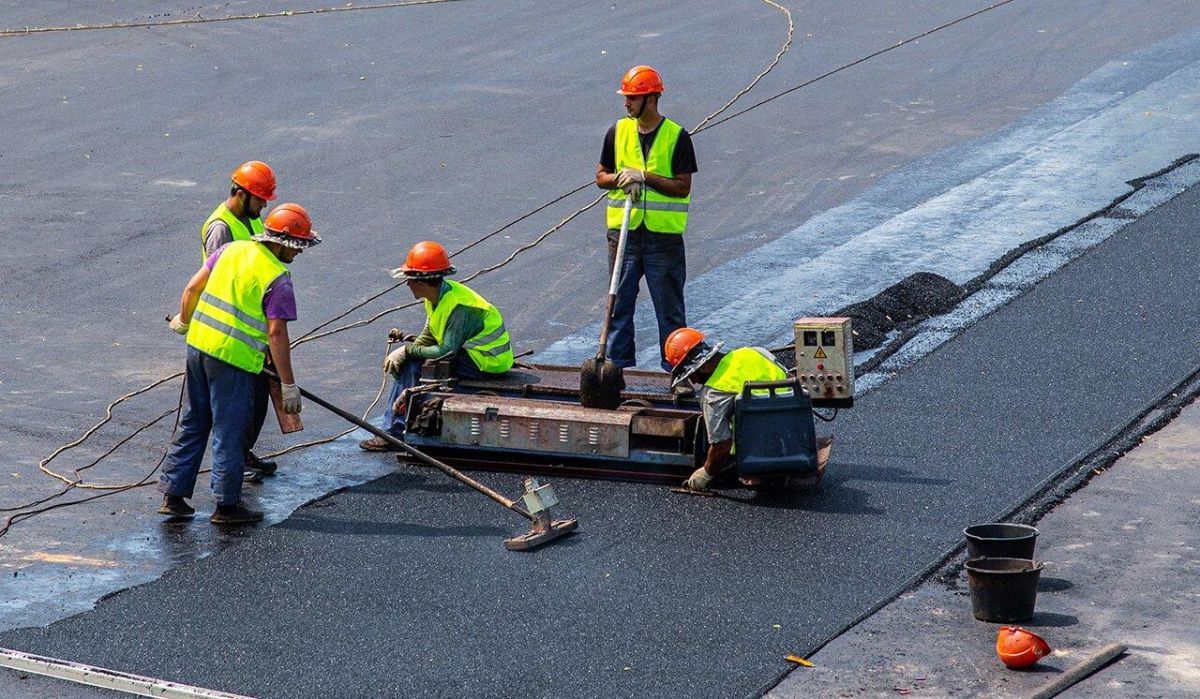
[460, 325]
[649, 158]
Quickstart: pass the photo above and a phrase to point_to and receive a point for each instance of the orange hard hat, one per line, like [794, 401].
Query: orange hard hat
[686, 351]
[425, 259]
[679, 343]
[289, 225]
[255, 177]
[641, 80]
[1019, 648]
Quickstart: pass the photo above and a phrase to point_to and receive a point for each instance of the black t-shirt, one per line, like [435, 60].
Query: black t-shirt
[682, 160]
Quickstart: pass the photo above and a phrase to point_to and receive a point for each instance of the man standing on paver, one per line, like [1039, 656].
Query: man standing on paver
[238, 218]
[233, 311]
[650, 158]
[460, 325]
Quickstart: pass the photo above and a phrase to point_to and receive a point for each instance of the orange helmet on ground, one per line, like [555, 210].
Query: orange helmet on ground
[686, 351]
[425, 260]
[641, 80]
[1019, 648]
[255, 177]
[290, 226]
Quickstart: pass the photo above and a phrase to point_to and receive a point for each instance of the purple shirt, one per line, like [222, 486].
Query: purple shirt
[279, 302]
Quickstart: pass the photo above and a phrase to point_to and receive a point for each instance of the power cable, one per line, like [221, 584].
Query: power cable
[199, 19]
[704, 124]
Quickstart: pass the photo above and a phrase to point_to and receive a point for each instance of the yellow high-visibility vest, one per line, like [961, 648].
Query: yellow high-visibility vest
[229, 322]
[236, 227]
[490, 348]
[660, 213]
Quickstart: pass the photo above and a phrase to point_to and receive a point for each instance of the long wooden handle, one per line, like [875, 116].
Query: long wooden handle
[414, 453]
[618, 267]
[1081, 671]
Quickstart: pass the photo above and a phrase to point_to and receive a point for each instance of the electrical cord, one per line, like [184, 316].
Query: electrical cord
[705, 124]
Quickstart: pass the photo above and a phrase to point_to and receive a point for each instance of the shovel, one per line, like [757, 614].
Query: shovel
[600, 379]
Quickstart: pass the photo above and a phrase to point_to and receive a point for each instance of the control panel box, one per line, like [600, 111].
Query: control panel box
[825, 360]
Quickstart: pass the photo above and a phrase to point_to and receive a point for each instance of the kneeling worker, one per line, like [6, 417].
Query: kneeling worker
[723, 375]
[460, 324]
[234, 311]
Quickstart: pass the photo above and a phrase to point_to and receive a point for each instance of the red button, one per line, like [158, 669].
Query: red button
[820, 367]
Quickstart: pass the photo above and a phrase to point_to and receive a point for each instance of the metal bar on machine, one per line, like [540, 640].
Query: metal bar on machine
[104, 678]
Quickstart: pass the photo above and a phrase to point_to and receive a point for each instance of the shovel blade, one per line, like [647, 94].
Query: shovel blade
[600, 384]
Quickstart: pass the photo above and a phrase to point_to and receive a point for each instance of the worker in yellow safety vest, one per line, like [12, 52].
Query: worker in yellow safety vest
[234, 313]
[460, 325]
[722, 376]
[649, 158]
[252, 185]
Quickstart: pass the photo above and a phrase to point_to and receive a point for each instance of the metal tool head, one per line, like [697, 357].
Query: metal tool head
[543, 531]
[600, 383]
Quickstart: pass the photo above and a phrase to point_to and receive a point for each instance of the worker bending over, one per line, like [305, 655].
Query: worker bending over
[722, 376]
[460, 325]
[238, 218]
[234, 311]
[650, 158]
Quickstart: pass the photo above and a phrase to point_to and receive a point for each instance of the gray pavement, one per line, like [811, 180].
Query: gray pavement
[118, 144]
[401, 587]
[445, 120]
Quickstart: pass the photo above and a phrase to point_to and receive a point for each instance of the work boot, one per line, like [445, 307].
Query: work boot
[176, 506]
[268, 468]
[377, 444]
[236, 513]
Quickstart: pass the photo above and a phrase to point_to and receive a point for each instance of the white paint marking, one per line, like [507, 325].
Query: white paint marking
[107, 679]
[175, 183]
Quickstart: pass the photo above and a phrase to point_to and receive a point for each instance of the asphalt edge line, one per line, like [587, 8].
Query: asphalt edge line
[127, 683]
[1060, 485]
[979, 282]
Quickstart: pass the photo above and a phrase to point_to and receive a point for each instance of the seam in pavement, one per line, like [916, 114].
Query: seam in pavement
[1057, 487]
[919, 326]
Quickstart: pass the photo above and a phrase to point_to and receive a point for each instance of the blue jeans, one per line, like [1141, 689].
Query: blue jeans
[410, 373]
[220, 400]
[660, 258]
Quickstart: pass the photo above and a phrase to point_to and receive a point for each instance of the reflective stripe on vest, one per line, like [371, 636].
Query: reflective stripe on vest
[490, 348]
[236, 227]
[660, 213]
[229, 322]
[742, 365]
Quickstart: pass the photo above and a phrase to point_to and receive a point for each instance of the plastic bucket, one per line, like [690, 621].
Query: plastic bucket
[1003, 590]
[1000, 540]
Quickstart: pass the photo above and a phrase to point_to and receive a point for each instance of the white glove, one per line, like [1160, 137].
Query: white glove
[291, 398]
[630, 176]
[395, 359]
[699, 480]
[178, 326]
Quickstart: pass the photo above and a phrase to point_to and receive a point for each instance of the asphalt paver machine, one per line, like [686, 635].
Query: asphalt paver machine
[530, 419]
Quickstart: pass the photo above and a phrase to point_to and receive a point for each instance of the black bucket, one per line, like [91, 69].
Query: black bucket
[1003, 590]
[1000, 540]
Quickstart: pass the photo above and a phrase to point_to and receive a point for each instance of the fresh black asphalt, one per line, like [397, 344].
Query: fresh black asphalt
[401, 587]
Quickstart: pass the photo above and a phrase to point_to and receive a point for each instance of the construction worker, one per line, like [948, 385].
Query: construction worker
[238, 218]
[459, 325]
[233, 311]
[722, 376]
[650, 158]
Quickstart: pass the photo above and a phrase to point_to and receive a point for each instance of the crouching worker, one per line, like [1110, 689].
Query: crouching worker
[234, 310]
[460, 325]
[722, 376]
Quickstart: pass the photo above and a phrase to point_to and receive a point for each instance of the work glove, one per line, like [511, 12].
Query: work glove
[630, 175]
[178, 326]
[291, 398]
[699, 480]
[396, 358]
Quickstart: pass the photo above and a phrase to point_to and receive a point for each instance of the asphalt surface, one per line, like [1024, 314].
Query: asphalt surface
[1131, 530]
[119, 141]
[401, 586]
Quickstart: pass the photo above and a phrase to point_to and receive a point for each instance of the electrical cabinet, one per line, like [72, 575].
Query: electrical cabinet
[825, 360]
